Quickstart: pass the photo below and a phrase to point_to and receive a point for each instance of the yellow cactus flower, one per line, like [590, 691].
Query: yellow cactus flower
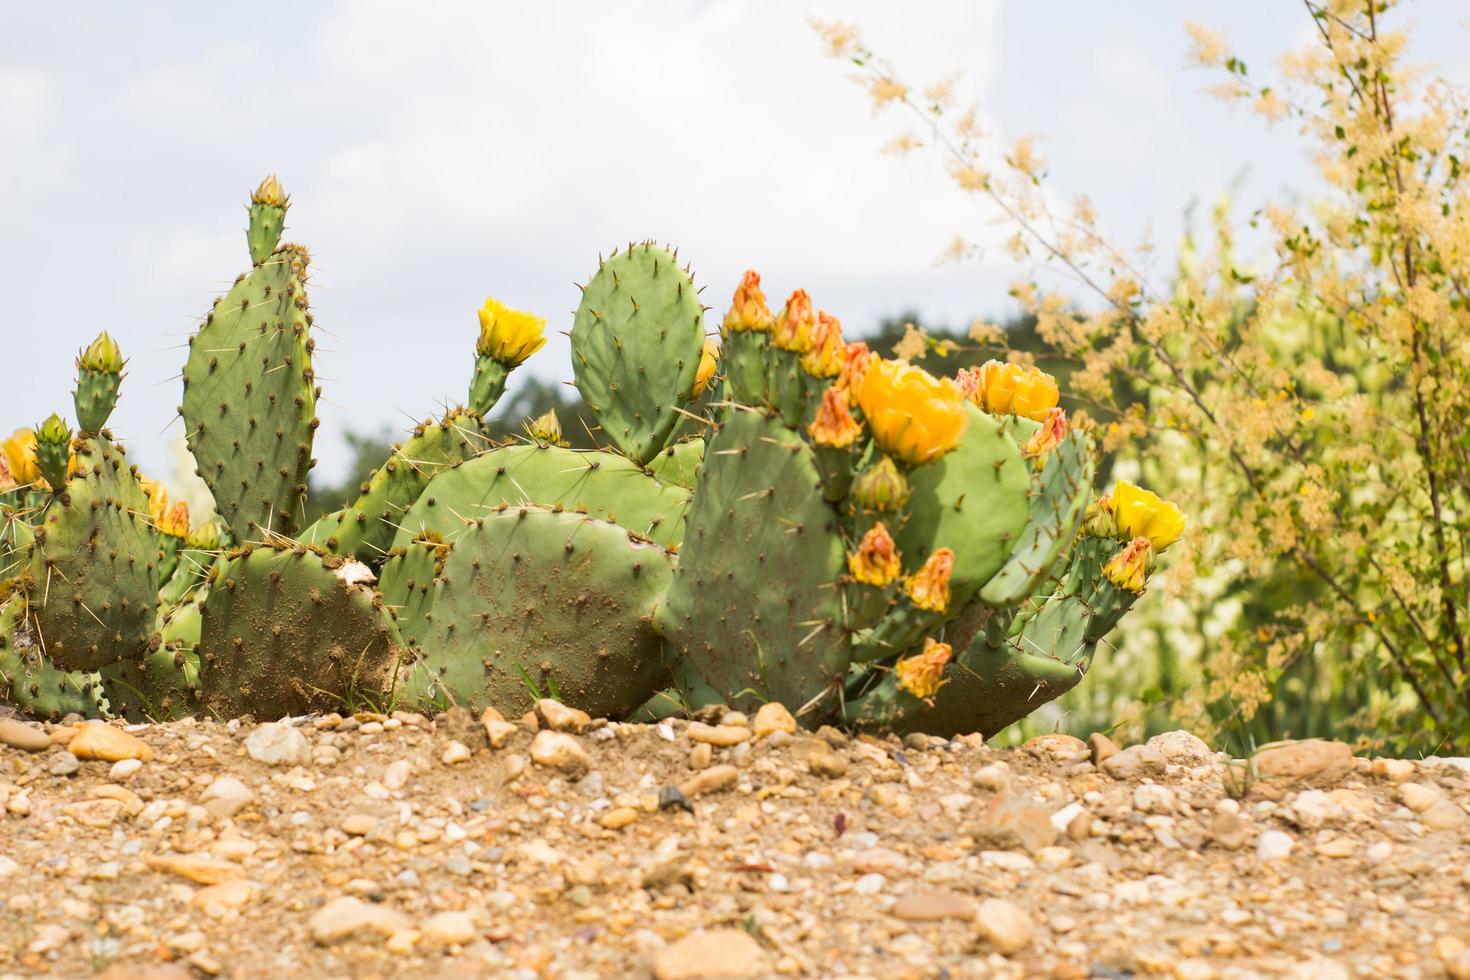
[20, 457]
[920, 674]
[709, 362]
[913, 415]
[748, 310]
[102, 355]
[876, 561]
[928, 588]
[856, 359]
[834, 425]
[1053, 430]
[509, 336]
[1128, 569]
[270, 193]
[825, 359]
[1141, 513]
[795, 326]
[175, 522]
[1010, 389]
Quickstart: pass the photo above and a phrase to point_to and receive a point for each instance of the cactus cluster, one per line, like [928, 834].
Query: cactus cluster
[783, 515]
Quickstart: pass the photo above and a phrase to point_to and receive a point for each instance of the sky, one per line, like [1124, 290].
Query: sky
[471, 148]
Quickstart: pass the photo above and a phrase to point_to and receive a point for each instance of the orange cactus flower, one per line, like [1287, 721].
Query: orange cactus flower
[834, 425]
[1128, 569]
[709, 362]
[748, 310]
[1053, 430]
[876, 561]
[913, 415]
[1010, 389]
[825, 359]
[920, 674]
[795, 326]
[176, 522]
[855, 361]
[929, 586]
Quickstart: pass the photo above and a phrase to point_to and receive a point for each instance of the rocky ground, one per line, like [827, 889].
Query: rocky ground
[562, 847]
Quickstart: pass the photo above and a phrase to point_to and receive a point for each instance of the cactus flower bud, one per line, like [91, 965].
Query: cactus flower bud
[509, 336]
[1141, 513]
[1046, 438]
[920, 674]
[834, 425]
[53, 451]
[856, 359]
[912, 414]
[1100, 521]
[748, 310]
[270, 194]
[103, 356]
[1129, 568]
[795, 325]
[929, 586]
[709, 362]
[876, 561]
[825, 359]
[1010, 389]
[881, 487]
[175, 522]
[205, 537]
[546, 428]
[20, 458]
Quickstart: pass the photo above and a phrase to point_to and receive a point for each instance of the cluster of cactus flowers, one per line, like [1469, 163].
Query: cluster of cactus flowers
[780, 516]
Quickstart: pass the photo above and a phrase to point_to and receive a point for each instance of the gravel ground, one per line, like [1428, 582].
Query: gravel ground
[556, 846]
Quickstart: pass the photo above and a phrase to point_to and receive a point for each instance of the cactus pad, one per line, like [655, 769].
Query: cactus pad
[31, 682]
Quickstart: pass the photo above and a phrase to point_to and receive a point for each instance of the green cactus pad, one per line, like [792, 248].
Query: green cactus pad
[285, 633]
[1058, 499]
[32, 683]
[365, 529]
[249, 398]
[604, 485]
[636, 343]
[164, 684]
[743, 361]
[407, 584]
[92, 584]
[535, 603]
[754, 607]
[95, 397]
[679, 464]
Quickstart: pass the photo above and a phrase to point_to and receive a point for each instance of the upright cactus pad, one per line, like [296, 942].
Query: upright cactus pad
[636, 345]
[31, 682]
[407, 584]
[250, 400]
[754, 606]
[287, 631]
[92, 584]
[603, 485]
[366, 528]
[164, 683]
[267, 209]
[99, 375]
[534, 603]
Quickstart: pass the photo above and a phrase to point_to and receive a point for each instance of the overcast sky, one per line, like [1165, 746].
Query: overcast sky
[439, 152]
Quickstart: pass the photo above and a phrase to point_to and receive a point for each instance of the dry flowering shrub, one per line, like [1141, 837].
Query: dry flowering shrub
[1309, 407]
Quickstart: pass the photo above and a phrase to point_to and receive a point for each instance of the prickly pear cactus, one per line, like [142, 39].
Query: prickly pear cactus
[407, 584]
[532, 603]
[754, 608]
[31, 682]
[636, 346]
[601, 484]
[679, 464]
[250, 397]
[288, 631]
[164, 683]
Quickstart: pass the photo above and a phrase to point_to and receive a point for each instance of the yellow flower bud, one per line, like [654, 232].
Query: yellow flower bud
[825, 359]
[1128, 569]
[913, 415]
[928, 588]
[1053, 430]
[748, 310]
[1010, 389]
[509, 336]
[1141, 513]
[834, 425]
[876, 561]
[175, 522]
[920, 674]
[546, 428]
[270, 193]
[856, 359]
[103, 355]
[795, 325]
[205, 537]
[709, 362]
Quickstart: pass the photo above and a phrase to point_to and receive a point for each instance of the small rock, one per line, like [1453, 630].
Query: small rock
[556, 750]
[1274, 845]
[195, 867]
[618, 817]
[449, 929]
[1005, 925]
[347, 916]
[711, 780]
[701, 755]
[880, 860]
[498, 730]
[1057, 747]
[1313, 760]
[99, 740]
[773, 717]
[827, 763]
[357, 824]
[19, 735]
[1418, 797]
[1337, 847]
[933, 906]
[1102, 748]
[124, 769]
[93, 813]
[1392, 770]
[1134, 761]
[225, 797]
[995, 777]
[721, 735]
[454, 753]
[49, 937]
[1443, 815]
[1016, 821]
[63, 764]
[559, 718]
[712, 953]
[1153, 798]
[1230, 830]
[273, 744]
[397, 773]
[1181, 748]
[233, 894]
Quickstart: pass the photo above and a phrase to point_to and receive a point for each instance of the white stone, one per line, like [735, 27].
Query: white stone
[1181, 748]
[278, 745]
[225, 797]
[1273, 845]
